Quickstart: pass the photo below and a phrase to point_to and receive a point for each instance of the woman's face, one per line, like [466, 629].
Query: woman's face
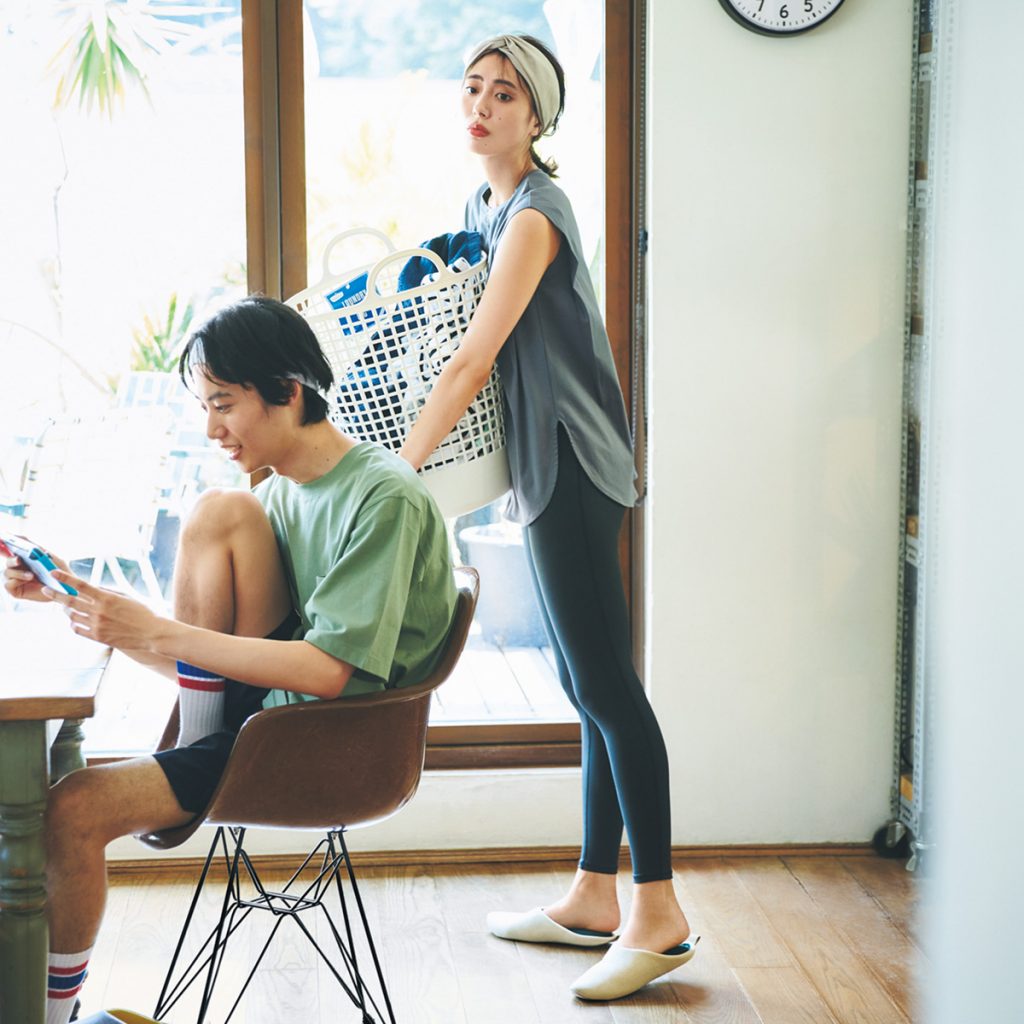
[497, 109]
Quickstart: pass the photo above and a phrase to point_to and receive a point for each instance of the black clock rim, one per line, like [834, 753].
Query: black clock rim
[774, 32]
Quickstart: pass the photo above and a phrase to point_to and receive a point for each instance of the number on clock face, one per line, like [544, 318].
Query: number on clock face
[780, 17]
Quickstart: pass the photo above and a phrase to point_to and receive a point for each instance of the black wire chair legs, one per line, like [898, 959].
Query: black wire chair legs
[329, 868]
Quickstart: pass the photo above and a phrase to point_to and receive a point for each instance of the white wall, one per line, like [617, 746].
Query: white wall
[777, 218]
[778, 173]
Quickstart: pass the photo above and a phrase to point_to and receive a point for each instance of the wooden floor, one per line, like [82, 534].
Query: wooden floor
[784, 940]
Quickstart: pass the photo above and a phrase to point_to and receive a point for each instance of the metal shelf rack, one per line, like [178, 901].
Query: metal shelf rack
[909, 830]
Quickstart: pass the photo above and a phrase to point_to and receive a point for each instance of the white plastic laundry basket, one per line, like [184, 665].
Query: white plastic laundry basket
[387, 347]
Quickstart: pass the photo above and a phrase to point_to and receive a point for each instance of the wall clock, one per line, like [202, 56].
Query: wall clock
[781, 17]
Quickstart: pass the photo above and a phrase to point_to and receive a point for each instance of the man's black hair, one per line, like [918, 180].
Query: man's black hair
[261, 343]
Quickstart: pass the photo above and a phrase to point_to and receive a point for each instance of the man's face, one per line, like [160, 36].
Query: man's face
[250, 432]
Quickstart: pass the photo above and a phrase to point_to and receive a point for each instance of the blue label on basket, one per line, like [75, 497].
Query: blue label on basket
[348, 294]
[351, 293]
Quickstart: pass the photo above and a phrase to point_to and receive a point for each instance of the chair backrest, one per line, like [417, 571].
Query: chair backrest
[330, 764]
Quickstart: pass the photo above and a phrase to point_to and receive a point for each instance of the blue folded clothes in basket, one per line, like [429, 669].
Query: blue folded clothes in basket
[450, 248]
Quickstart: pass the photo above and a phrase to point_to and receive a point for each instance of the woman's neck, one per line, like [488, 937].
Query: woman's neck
[504, 176]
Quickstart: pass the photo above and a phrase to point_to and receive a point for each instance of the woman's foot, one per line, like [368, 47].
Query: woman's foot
[592, 903]
[621, 971]
[656, 921]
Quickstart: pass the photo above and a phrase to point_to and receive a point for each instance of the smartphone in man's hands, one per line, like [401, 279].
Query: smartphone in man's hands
[37, 561]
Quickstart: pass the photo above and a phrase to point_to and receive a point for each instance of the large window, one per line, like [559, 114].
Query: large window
[221, 150]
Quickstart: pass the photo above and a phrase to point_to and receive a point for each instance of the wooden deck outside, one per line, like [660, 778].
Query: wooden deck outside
[490, 684]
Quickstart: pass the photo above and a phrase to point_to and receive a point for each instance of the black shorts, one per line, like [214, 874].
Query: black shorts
[195, 770]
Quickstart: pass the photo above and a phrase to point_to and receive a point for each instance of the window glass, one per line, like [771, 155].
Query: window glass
[123, 224]
[385, 149]
[385, 143]
[127, 229]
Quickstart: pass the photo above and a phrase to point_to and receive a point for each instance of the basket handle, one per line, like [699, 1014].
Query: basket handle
[352, 233]
[393, 257]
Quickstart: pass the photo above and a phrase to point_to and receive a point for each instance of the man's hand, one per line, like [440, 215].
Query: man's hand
[105, 616]
[22, 584]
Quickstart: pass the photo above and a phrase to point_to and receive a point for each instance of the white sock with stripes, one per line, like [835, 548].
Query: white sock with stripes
[66, 974]
[200, 703]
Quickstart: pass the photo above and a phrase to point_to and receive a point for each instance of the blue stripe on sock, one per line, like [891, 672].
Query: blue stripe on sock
[60, 982]
[185, 669]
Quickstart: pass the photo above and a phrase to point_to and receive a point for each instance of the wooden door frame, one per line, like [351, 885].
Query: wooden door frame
[277, 260]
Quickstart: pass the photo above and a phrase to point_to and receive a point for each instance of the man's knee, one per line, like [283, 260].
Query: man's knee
[77, 812]
[94, 806]
[221, 513]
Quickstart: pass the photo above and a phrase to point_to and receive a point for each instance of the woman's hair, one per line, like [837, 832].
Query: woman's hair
[549, 166]
[260, 343]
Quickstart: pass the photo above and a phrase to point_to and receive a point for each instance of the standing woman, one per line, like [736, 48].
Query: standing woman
[572, 471]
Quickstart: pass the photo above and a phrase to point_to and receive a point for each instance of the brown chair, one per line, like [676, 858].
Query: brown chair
[284, 772]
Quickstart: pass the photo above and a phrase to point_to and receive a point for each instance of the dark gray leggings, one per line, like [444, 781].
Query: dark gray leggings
[572, 551]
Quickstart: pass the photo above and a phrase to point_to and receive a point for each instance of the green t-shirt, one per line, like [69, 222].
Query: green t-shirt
[367, 558]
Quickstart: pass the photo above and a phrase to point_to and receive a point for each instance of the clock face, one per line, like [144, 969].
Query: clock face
[781, 17]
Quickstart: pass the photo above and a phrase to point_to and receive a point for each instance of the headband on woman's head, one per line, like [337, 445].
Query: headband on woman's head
[535, 70]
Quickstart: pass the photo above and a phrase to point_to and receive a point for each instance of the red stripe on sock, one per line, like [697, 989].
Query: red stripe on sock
[206, 685]
[60, 994]
[68, 970]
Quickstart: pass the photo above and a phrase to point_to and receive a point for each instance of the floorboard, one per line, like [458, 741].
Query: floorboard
[841, 976]
[863, 923]
[732, 915]
[898, 892]
[784, 995]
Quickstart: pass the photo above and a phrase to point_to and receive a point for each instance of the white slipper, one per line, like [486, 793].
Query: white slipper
[536, 926]
[621, 971]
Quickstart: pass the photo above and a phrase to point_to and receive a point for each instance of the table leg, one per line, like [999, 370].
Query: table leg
[24, 940]
[66, 751]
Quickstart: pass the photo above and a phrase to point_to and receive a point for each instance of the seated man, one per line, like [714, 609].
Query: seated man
[342, 550]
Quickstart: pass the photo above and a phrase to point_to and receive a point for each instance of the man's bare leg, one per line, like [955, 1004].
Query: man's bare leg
[229, 578]
[87, 810]
[228, 574]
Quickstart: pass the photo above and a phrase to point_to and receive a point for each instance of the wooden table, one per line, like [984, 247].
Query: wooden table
[48, 684]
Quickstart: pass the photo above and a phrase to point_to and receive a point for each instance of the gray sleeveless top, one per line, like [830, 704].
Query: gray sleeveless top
[556, 366]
